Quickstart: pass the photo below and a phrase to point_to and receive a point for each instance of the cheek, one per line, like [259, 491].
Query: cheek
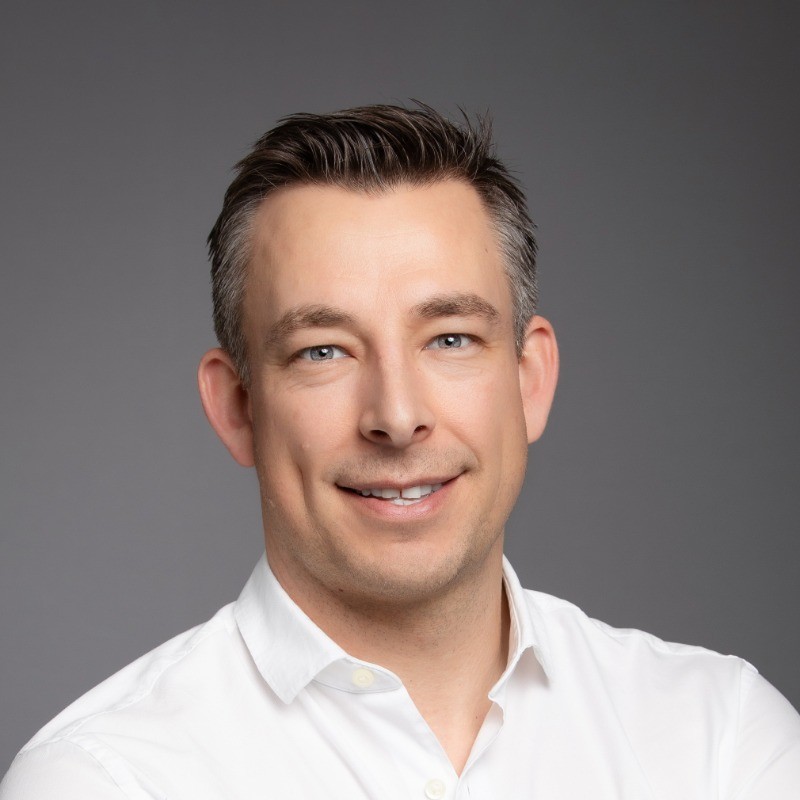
[295, 431]
[499, 424]
[488, 409]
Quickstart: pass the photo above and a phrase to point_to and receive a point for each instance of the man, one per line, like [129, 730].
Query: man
[383, 368]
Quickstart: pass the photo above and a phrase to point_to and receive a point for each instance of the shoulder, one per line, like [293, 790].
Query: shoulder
[63, 769]
[569, 633]
[691, 699]
[77, 749]
[186, 656]
[635, 670]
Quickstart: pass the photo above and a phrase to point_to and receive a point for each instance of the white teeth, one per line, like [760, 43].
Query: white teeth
[402, 497]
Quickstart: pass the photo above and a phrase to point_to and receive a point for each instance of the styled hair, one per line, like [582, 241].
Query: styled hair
[369, 149]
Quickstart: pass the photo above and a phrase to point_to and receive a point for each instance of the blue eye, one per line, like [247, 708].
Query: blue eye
[322, 352]
[450, 341]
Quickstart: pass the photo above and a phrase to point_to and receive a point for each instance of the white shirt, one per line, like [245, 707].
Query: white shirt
[260, 703]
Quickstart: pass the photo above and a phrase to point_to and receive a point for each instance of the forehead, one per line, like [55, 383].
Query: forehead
[358, 250]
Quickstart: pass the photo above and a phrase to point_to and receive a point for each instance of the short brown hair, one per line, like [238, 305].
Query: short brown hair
[371, 148]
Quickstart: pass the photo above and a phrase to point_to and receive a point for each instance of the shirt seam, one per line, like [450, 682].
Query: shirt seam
[745, 688]
[659, 644]
[72, 729]
[31, 751]
[764, 767]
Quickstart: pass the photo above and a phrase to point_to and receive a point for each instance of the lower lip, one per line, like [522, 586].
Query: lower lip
[387, 510]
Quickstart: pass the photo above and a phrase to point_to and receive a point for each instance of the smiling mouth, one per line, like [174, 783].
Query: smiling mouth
[399, 497]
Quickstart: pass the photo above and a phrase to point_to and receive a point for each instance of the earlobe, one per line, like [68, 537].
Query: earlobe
[538, 375]
[226, 404]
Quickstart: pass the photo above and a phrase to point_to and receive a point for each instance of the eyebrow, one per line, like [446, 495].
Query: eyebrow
[453, 304]
[306, 316]
[457, 304]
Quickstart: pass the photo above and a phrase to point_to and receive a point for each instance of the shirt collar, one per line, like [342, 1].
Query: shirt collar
[287, 647]
[527, 636]
[290, 651]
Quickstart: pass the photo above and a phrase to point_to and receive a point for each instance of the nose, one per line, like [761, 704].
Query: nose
[395, 412]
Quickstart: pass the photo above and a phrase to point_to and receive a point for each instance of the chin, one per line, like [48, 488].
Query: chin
[409, 578]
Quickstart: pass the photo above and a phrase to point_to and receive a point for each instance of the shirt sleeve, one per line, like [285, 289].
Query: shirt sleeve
[767, 761]
[59, 770]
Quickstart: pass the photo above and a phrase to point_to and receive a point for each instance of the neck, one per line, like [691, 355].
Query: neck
[468, 622]
[448, 650]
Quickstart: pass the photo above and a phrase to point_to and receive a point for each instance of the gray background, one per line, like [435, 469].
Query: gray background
[659, 146]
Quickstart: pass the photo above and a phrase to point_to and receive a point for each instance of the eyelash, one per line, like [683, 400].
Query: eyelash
[305, 353]
[435, 344]
[460, 336]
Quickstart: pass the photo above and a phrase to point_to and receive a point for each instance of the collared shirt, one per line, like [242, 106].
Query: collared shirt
[260, 703]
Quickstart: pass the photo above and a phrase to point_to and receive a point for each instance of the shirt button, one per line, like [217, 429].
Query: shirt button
[363, 677]
[434, 789]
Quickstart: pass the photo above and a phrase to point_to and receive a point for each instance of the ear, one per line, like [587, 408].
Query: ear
[538, 375]
[227, 404]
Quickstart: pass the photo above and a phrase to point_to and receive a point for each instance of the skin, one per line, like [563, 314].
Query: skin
[381, 350]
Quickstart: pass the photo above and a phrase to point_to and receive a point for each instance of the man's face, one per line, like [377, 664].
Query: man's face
[388, 425]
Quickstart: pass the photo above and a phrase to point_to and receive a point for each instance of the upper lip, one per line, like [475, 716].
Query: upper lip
[389, 483]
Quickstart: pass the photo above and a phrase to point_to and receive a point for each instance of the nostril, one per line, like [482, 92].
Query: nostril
[394, 429]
